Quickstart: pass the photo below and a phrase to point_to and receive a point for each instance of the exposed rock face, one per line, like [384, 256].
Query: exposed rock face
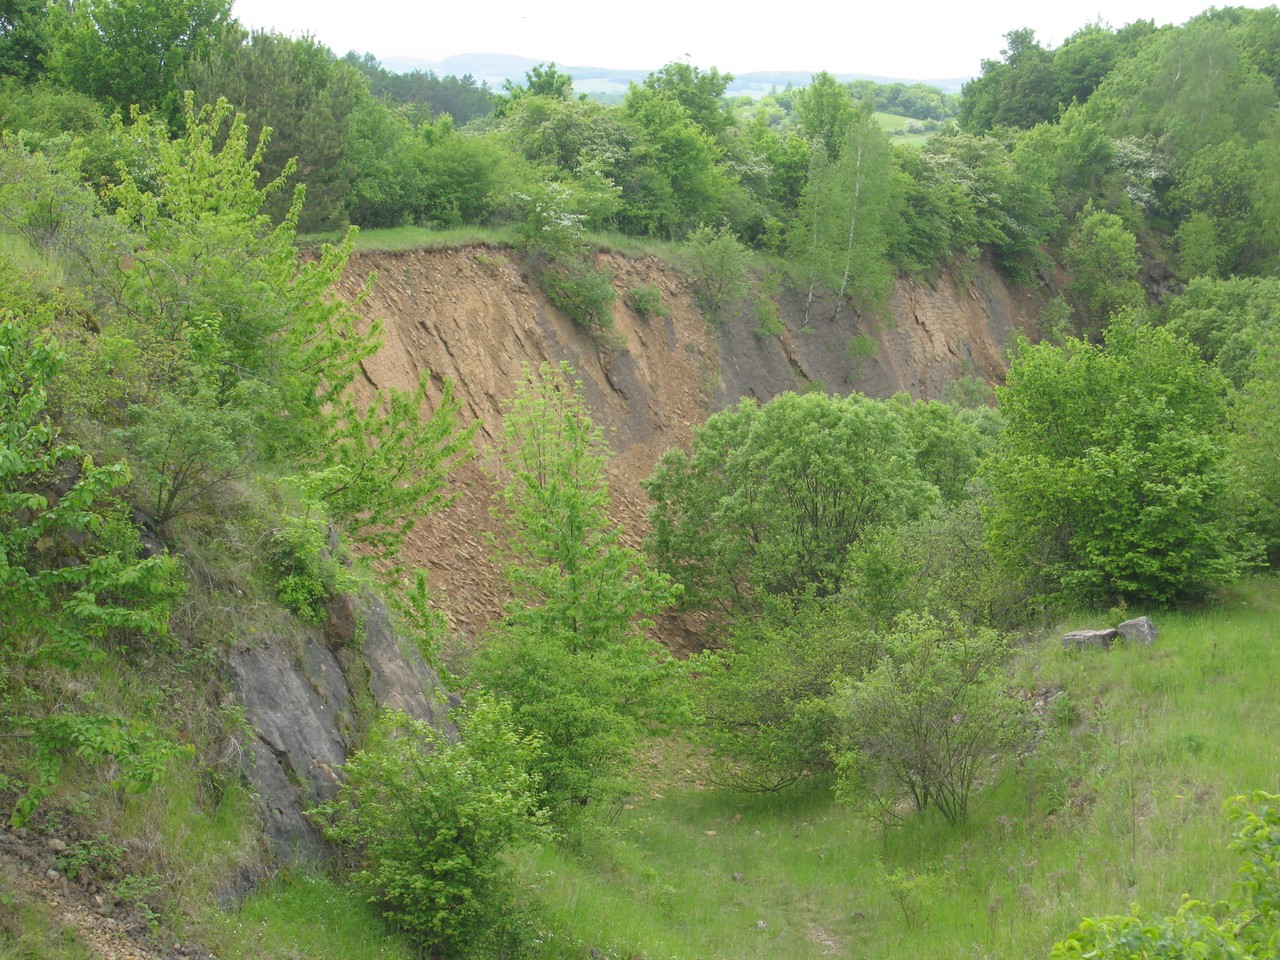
[299, 707]
[1090, 639]
[472, 316]
[1139, 630]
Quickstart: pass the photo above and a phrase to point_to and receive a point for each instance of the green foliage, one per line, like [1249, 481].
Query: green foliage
[1103, 259]
[570, 572]
[926, 721]
[71, 579]
[646, 301]
[582, 292]
[572, 652]
[1244, 927]
[772, 497]
[762, 702]
[1255, 446]
[1109, 480]
[716, 262]
[297, 90]
[131, 53]
[428, 820]
[386, 467]
[839, 239]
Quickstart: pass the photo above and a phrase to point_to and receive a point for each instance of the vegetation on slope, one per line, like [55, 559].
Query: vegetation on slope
[184, 461]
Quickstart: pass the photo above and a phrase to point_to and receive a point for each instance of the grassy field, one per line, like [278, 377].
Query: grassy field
[892, 121]
[1119, 803]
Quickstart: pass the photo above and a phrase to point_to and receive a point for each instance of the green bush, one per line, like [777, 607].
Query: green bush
[582, 292]
[646, 301]
[716, 261]
[427, 820]
[927, 721]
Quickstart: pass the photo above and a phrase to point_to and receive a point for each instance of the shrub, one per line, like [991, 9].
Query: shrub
[646, 301]
[582, 292]
[926, 721]
[717, 264]
[428, 820]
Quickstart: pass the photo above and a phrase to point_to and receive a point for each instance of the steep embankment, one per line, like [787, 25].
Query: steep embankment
[472, 316]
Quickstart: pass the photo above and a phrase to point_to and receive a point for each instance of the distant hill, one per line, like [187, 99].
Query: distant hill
[495, 68]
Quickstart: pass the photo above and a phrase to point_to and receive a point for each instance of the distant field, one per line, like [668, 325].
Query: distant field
[892, 121]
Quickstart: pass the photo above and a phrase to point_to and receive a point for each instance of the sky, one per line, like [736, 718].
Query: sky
[910, 39]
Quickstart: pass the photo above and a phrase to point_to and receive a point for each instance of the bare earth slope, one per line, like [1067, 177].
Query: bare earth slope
[471, 315]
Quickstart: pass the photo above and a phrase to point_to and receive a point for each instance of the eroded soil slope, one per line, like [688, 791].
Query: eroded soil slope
[471, 315]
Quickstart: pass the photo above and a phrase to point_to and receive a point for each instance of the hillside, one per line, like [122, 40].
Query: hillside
[471, 315]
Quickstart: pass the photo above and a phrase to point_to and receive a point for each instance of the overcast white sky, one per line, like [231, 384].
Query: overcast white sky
[914, 39]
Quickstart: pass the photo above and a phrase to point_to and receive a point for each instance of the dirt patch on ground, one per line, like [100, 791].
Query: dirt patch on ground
[472, 315]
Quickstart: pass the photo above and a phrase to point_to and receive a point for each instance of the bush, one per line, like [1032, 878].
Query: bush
[582, 292]
[646, 301]
[925, 723]
[717, 264]
[428, 820]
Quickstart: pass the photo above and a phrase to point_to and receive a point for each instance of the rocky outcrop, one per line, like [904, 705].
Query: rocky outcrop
[299, 705]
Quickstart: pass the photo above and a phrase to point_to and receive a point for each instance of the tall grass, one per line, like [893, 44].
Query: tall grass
[1119, 802]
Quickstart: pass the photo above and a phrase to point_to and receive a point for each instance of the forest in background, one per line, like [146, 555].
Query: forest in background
[179, 429]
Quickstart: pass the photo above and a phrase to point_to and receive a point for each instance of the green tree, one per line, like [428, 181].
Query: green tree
[841, 232]
[824, 110]
[927, 720]
[1109, 478]
[24, 38]
[772, 497]
[305, 97]
[133, 52]
[1103, 259]
[568, 567]
[700, 92]
[429, 819]
[571, 651]
[717, 265]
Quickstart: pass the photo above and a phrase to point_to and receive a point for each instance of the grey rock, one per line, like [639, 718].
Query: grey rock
[1139, 630]
[1090, 639]
[300, 709]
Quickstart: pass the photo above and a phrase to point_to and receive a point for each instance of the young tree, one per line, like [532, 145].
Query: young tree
[1109, 480]
[429, 819]
[571, 652]
[1103, 258]
[926, 722]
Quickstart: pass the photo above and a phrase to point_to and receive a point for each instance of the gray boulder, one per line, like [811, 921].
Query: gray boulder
[1139, 630]
[1090, 639]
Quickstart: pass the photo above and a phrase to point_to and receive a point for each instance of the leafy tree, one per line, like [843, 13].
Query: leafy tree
[24, 38]
[927, 719]
[429, 818]
[700, 92]
[297, 89]
[1255, 445]
[1103, 258]
[824, 110]
[133, 52]
[571, 651]
[840, 235]
[1109, 478]
[717, 265]
[772, 497]
[762, 700]
[568, 567]
[1018, 91]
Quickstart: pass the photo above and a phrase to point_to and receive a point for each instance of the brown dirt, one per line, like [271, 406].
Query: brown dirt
[471, 315]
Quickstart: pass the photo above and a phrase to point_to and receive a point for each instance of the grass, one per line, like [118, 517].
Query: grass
[303, 915]
[1120, 803]
[892, 121]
